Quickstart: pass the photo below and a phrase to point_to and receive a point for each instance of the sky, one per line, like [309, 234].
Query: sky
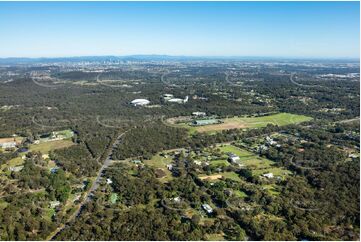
[269, 29]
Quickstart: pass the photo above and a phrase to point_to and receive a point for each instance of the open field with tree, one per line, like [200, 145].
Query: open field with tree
[279, 119]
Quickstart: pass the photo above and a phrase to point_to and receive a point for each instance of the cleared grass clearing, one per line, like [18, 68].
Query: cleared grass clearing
[272, 189]
[258, 165]
[215, 163]
[279, 119]
[230, 175]
[211, 177]
[240, 194]
[45, 147]
[160, 162]
[215, 237]
[11, 163]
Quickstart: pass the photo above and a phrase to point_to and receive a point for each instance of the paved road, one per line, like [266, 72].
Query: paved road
[299, 84]
[88, 195]
[108, 161]
[349, 120]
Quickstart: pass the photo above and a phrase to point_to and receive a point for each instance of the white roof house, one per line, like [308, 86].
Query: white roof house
[234, 158]
[268, 175]
[178, 100]
[207, 208]
[54, 204]
[176, 199]
[175, 100]
[16, 168]
[140, 102]
[6, 145]
[167, 96]
[270, 141]
[199, 114]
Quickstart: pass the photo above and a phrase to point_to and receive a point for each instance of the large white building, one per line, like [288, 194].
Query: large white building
[199, 114]
[7, 145]
[177, 100]
[140, 102]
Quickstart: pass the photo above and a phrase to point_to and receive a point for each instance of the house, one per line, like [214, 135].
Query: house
[22, 150]
[219, 169]
[197, 162]
[175, 100]
[353, 156]
[199, 114]
[176, 199]
[136, 161]
[54, 204]
[140, 102]
[83, 185]
[268, 175]
[171, 99]
[205, 122]
[109, 181]
[113, 198]
[16, 168]
[8, 145]
[170, 167]
[262, 148]
[167, 96]
[76, 197]
[62, 134]
[234, 158]
[45, 156]
[270, 141]
[207, 208]
[54, 169]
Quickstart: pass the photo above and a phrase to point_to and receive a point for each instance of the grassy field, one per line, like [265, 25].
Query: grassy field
[257, 164]
[45, 147]
[279, 119]
[240, 194]
[214, 237]
[160, 162]
[215, 163]
[230, 175]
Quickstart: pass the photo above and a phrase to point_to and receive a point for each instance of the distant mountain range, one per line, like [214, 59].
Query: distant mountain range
[24, 60]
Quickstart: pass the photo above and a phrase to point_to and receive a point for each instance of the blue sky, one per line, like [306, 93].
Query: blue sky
[284, 29]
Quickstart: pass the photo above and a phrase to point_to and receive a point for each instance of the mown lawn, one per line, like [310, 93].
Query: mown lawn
[214, 237]
[257, 164]
[159, 162]
[216, 163]
[45, 147]
[240, 194]
[279, 119]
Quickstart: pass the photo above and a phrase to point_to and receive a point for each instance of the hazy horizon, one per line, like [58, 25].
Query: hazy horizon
[185, 56]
